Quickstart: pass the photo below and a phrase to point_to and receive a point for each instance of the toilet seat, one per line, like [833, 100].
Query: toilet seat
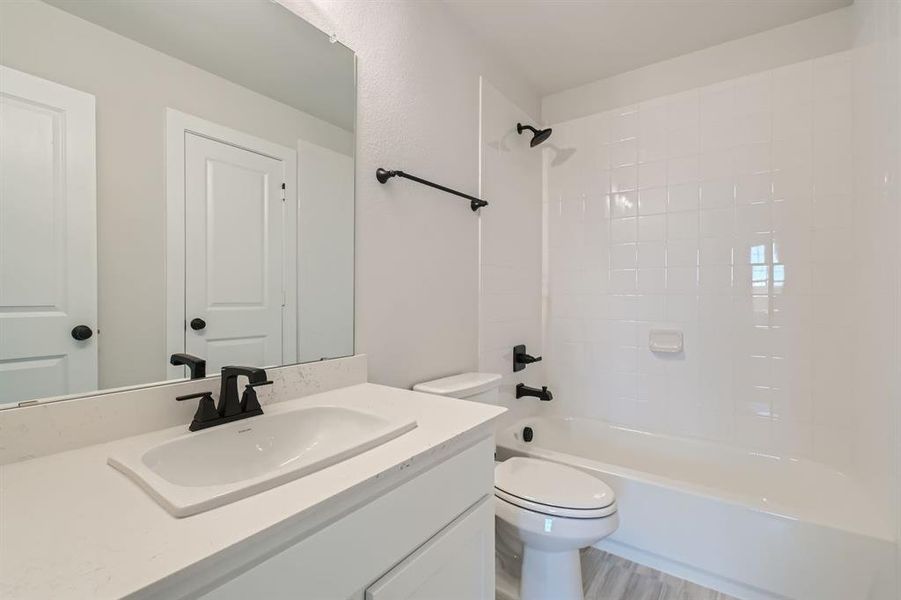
[552, 489]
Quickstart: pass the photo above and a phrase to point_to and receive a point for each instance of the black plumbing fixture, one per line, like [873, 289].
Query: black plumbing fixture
[538, 135]
[229, 405]
[384, 175]
[542, 394]
[229, 408]
[196, 365]
[521, 359]
[527, 434]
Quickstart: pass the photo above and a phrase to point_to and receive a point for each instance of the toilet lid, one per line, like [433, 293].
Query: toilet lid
[552, 488]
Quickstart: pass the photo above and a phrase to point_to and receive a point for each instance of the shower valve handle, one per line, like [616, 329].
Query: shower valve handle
[521, 358]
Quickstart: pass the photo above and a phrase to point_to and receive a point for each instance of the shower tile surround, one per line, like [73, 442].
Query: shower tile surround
[736, 213]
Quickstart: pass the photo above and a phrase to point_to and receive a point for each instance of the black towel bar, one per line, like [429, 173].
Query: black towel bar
[383, 176]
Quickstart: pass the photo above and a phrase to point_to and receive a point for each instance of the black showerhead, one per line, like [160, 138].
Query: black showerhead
[539, 135]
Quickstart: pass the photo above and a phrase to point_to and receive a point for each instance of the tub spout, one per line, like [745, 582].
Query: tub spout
[542, 394]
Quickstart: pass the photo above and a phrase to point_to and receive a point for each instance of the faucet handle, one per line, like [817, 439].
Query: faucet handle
[521, 358]
[206, 409]
[249, 401]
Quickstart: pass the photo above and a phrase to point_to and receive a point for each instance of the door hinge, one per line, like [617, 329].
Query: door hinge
[283, 185]
[284, 298]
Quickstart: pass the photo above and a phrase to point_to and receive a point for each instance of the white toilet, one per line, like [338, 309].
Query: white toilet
[545, 512]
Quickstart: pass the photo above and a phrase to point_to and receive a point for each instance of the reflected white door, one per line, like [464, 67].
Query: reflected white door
[234, 254]
[48, 248]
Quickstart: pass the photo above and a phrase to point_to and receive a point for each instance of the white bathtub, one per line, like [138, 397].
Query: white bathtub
[746, 524]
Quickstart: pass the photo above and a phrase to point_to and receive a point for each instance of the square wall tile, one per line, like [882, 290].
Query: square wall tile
[651, 254]
[683, 197]
[652, 174]
[684, 141]
[623, 204]
[624, 256]
[623, 153]
[624, 179]
[682, 170]
[681, 253]
[652, 201]
[682, 225]
[716, 165]
[719, 193]
[652, 228]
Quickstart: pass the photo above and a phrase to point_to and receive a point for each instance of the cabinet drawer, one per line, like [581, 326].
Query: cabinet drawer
[458, 562]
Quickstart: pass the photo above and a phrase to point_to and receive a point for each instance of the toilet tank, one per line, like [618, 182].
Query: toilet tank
[479, 387]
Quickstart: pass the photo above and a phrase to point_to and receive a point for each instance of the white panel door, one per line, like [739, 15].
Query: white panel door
[48, 246]
[234, 254]
[456, 564]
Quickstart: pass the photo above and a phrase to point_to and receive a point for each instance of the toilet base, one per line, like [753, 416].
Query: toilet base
[550, 575]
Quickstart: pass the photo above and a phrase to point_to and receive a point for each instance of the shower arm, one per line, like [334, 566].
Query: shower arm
[383, 176]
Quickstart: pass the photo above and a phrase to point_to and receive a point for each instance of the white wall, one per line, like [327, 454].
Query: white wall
[134, 85]
[510, 250]
[417, 249]
[757, 214]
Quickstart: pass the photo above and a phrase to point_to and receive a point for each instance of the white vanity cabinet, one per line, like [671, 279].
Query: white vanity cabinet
[431, 538]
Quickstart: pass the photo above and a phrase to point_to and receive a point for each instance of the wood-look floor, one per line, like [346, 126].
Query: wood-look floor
[609, 577]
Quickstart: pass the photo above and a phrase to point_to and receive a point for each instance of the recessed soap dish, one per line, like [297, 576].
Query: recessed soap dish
[668, 341]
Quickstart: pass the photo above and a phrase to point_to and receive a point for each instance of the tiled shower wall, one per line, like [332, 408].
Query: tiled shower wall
[726, 212]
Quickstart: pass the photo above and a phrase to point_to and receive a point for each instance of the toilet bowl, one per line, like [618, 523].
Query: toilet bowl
[552, 511]
[545, 512]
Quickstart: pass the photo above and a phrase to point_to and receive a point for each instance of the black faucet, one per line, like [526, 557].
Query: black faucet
[229, 405]
[229, 408]
[542, 394]
[196, 366]
[521, 359]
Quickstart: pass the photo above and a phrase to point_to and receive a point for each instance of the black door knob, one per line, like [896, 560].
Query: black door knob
[82, 332]
[198, 324]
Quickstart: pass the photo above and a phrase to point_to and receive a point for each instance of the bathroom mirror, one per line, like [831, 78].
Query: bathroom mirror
[175, 177]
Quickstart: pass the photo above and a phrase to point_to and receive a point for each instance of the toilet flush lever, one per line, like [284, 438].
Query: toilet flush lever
[521, 359]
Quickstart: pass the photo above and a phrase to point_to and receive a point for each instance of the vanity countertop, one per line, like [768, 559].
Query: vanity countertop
[71, 526]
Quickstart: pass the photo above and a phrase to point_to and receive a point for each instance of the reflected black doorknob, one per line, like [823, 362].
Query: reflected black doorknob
[198, 324]
[82, 332]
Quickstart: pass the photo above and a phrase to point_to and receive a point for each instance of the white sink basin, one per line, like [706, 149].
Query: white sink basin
[195, 472]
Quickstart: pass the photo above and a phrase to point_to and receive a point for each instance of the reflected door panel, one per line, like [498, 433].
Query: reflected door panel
[234, 250]
[48, 264]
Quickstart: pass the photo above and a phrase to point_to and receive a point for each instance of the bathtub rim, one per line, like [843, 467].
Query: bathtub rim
[880, 529]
